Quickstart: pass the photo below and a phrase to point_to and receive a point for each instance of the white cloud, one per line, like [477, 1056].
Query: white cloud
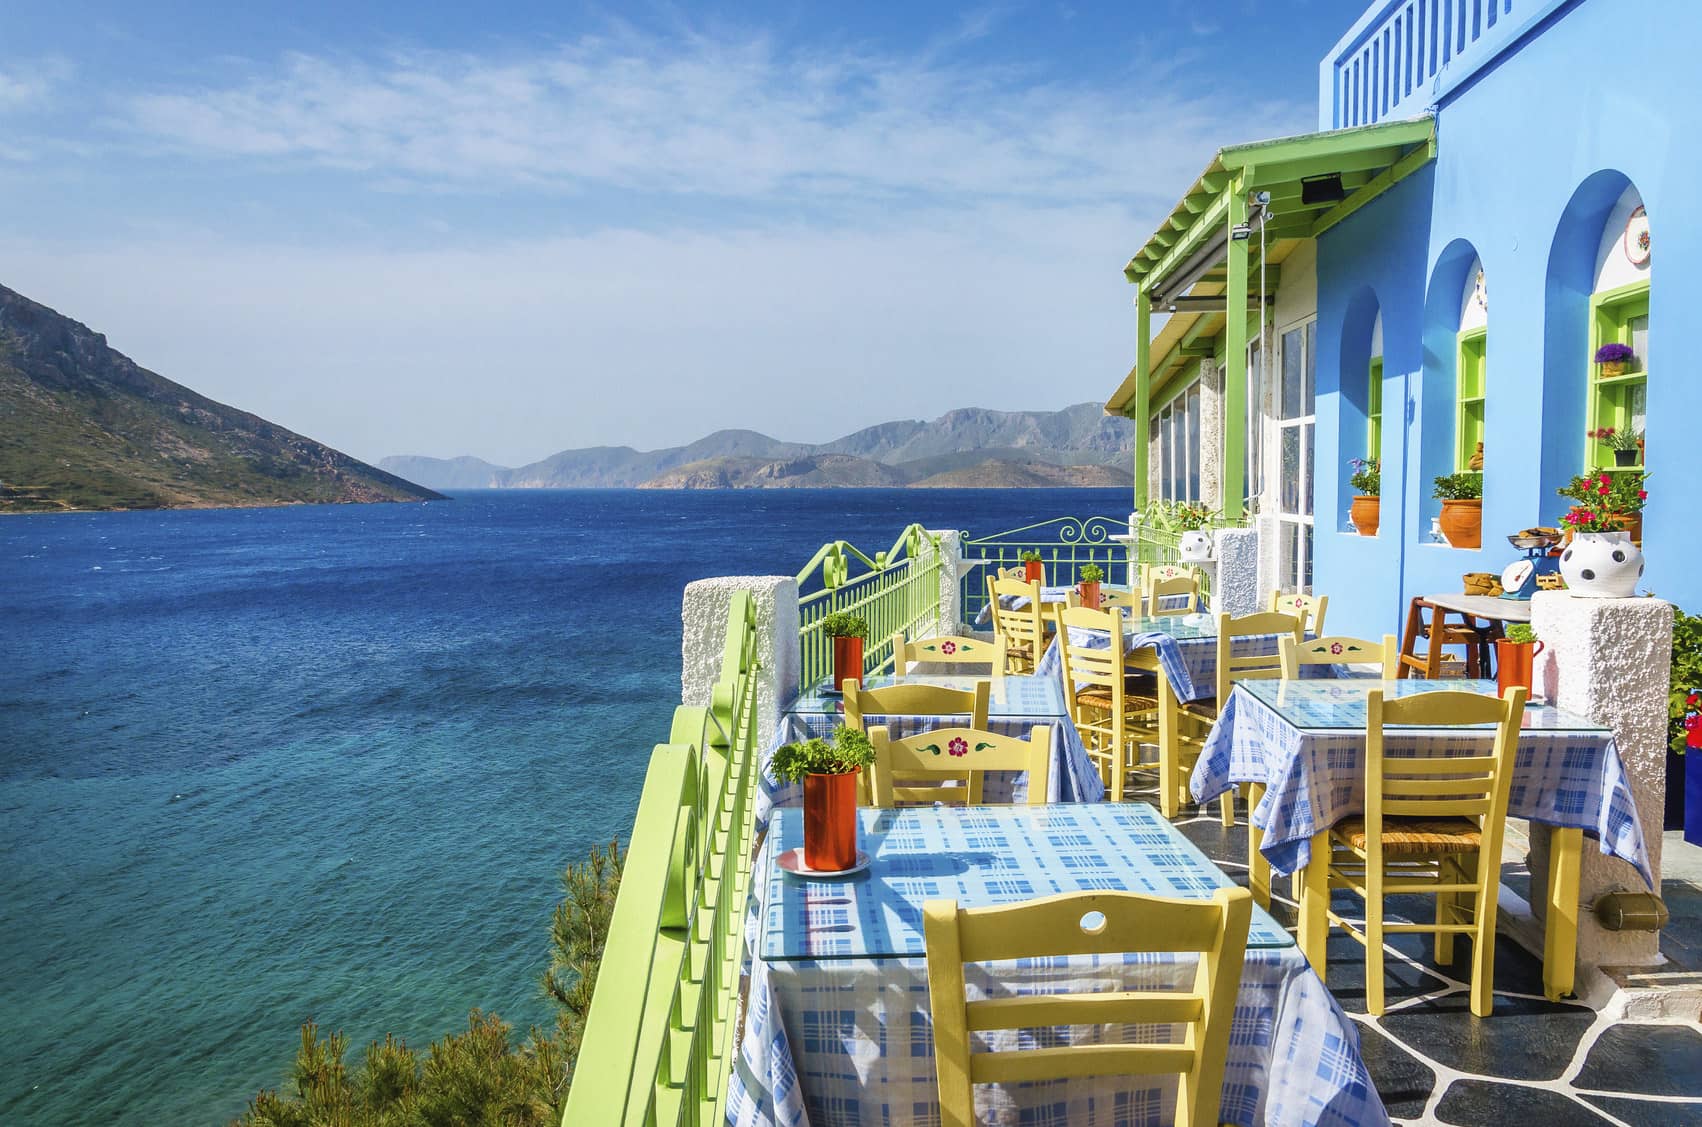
[28, 84]
[741, 118]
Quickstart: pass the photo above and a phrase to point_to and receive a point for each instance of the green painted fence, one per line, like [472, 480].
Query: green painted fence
[1065, 544]
[896, 590]
[659, 1040]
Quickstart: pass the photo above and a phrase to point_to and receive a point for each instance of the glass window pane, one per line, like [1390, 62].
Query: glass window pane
[1307, 436]
[1166, 454]
[1639, 329]
[1637, 405]
[1194, 443]
[1306, 556]
[1311, 373]
[1254, 468]
[1289, 484]
[1290, 398]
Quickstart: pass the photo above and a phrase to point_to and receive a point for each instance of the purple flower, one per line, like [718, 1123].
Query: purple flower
[1613, 352]
[957, 746]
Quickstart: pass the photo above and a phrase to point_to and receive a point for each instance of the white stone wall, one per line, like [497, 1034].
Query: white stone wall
[1211, 433]
[704, 639]
[1235, 565]
[1610, 660]
[951, 575]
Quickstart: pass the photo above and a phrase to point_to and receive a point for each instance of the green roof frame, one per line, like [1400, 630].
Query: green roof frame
[1371, 159]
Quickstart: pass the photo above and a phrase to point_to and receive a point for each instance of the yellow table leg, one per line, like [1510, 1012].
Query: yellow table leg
[1169, 749]
[1560, 937]
[1315, 904]
[1258, 869]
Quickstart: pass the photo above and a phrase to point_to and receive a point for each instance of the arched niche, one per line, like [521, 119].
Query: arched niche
[1454, 384]
[1360, 386]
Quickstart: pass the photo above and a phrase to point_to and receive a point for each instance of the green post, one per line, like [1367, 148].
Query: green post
[1143, 389]
[1235, 360]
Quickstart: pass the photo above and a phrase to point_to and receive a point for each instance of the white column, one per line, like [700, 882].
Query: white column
[951, 574]
[1235, 586]
[1609, 660]
[704, 639]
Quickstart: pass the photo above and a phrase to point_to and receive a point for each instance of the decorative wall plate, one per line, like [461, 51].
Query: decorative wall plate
[1637, 236]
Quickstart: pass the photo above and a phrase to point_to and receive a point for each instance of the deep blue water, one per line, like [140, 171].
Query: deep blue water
[260, 766]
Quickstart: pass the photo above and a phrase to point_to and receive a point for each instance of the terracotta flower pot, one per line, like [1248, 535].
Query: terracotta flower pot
[1513, 663]
[1089, 595]
[1462, 522]
[847, 661]
[1366, 514]
[1033, 571]
[830, 821]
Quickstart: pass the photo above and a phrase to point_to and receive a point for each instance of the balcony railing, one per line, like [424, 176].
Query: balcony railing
[658, 1044]
[1065, 544]
[1403, 56]
[896, 590]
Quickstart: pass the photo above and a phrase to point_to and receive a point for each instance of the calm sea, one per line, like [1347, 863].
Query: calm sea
[260, 766]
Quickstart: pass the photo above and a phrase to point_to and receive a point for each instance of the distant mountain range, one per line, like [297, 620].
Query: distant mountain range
[83, 426]
[1079, 446]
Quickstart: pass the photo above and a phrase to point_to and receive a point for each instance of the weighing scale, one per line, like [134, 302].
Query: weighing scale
[1519, 580]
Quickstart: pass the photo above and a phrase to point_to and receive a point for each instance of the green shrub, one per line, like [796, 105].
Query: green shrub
[846, 752]
[842, 625]
[1030, 557]
[1686, 673]
[1458, 487]
[1521, 632]
[1092, 573]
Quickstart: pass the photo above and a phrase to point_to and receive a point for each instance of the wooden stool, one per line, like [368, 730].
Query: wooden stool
[1439, 633]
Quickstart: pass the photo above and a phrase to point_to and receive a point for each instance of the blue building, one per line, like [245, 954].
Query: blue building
[1426, 281]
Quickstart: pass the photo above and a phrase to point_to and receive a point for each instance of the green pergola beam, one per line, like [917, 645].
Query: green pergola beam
[1143, 391]
[1235, 361]
[1332, 144]
[1378, 184]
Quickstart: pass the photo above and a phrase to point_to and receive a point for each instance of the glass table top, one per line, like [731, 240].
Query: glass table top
[1013, 695]
[980, 856]
[1334, 704]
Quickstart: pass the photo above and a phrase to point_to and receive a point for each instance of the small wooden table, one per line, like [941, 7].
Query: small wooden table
[1477, 640]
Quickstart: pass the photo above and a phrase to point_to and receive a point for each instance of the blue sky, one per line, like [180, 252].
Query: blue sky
[441, 229]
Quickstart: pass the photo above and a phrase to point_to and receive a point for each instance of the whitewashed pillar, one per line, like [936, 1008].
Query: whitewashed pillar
[1609, 660]
[951, 574]
[704, 639]
[1235, 557]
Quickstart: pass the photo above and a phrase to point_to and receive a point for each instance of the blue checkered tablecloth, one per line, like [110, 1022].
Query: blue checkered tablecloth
[1062, 595]
[1186, 645]
[1014, 707]
[1305, 741]
[837, 1027]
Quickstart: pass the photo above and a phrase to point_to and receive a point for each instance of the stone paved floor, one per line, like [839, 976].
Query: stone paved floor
[1534, 1061]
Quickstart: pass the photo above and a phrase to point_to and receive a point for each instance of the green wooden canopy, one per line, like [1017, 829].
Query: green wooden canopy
[1288, 188]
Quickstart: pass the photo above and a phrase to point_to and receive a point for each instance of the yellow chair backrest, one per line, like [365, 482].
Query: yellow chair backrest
[1339, 649]
[1231, 668]
[913, 700]
[1017, 572]
[964, 754]
[1022, 625]
[1087, 923]
[1155, 573]
[1438, 786]
[1309, 609]
[1084, 665]
[1161, 595]
[1127, 600]
[948, 649]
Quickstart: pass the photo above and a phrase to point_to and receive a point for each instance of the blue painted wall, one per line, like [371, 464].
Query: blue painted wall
[1531, 155]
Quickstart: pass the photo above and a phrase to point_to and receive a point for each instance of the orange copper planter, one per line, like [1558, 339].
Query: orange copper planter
[1089, 595]
[1513, 662]
[847, 661]
[830, 821]
[1033, 571]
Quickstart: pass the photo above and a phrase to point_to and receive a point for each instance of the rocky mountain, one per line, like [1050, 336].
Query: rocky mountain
[83, 426]
[1078, 446]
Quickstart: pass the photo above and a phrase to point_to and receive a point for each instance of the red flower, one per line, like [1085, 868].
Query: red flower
[1603, 491]
[1692, 700]
[957, 746]
[1335, 647]
[948, 647]
[1642, 495]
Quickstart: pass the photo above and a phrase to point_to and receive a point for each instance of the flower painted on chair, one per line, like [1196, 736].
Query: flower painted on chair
[1336, 648]
[958, 746]
[948, 647]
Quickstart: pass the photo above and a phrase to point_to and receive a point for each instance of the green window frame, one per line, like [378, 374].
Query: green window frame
[1471, 370]
[1620, 314]
[1374, 410]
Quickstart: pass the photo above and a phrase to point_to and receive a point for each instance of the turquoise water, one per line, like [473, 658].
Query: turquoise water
[261, 766]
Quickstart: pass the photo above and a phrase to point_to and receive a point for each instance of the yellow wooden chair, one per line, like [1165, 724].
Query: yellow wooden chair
[1087, 923]
[910, 770]
[913, 700]
[1112, 722]
[1024, 629]
[1161, 596]
[949, 649]
[1154, 573]
[1197, 717]
[1309, 609]
[1129, 601]
[1433, 826]
[1339, 649]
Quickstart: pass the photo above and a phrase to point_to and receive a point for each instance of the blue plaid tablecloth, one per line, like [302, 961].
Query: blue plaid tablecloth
[1305, 741]
[1015, 706]
[1186, 645]
[1062, 595]
[837, 1028]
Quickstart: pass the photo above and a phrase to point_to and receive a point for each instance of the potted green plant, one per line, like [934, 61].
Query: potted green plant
[1514, 657]
[1625, 443]
[1614, 358]
[848, 632]
[828, 769]
[1091, 575]
[1033, 571]
[1461, 495]
[1367, 482]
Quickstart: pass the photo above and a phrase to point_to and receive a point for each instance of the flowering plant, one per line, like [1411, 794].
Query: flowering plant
[1181, 516]
[1614, 353]
[1604, 502]
[1367, 476]
[1616, 438]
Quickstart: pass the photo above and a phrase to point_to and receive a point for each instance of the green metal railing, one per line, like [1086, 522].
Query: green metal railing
[1065, 544]
[898, 590]
[659, 1039]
